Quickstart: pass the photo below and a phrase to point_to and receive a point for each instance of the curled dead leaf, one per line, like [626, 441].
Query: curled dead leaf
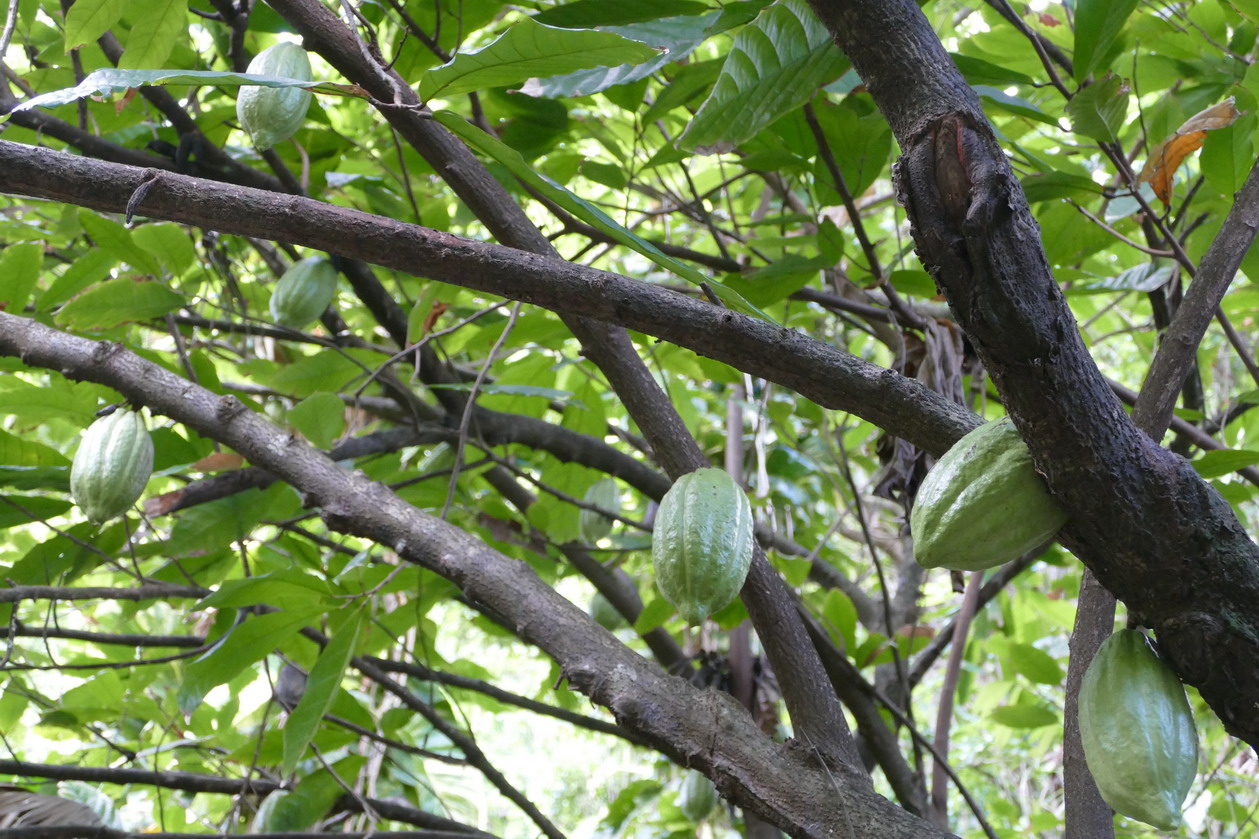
[1166, 157]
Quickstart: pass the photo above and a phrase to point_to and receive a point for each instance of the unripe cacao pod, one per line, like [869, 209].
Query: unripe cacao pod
[112, 465]
[697, 797]
[701, 546]
[305, 290]
[604, 613]
[605, 495]
[983, 504]
[1137, 729]
[273, 114]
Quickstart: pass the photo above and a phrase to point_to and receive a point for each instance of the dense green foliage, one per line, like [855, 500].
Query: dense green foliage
[725, 151]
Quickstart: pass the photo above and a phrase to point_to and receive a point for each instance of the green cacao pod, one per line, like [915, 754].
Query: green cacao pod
[112, 465]
[701, 547]
[273, 114]
[305, 290]
[605, 495]
[697, 797]
[983, 504]
[1137, 729]
[604, 613]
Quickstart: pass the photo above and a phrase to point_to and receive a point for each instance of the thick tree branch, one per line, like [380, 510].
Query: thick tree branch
[1152, 531]
[827, 375]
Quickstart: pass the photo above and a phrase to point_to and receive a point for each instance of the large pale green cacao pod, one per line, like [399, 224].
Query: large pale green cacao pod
[698, 797]
[305, 290]
[983, 504]
[701, 546]
[112, 465]
[1137, 729]
[605, 495]
[273, 114]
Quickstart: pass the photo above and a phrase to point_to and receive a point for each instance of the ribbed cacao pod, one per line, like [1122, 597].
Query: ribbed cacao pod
[273, 114]
[305, 290]
[983, 504]
[698, 797]
[605, 495]
[112, 465]
[701, 546]
[1138, 732]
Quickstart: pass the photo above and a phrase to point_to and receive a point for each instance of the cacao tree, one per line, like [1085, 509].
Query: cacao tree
[429, 304]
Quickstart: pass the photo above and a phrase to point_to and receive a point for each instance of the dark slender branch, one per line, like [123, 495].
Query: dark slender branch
[193, 782]
[22, 630]
[427, 674]
[149, 591]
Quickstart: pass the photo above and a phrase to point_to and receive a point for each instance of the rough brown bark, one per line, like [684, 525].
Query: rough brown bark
[1153, 532]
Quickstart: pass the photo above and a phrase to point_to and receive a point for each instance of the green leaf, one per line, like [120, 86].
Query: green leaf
[586, 211]
[1033, 663]
[19, 272]
[168, 243]
[89, 19]
[92, 267]
[116, 239]
[1097, 25]
[1024, 716]
[978, 71]
[110, 80]
[1014, 104]
[1055, 185]
[243, 645]
[1227, 156]
[118, 301]
[587, 14]
[158, 28]
[776, 64]
[1213, 464]
[278, 588]
[320, 418]
[676, 36]
[526, 49]
[321, 689]
[24, 509]
[1099, 110]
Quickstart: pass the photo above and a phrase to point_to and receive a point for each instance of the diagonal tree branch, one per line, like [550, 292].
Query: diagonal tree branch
[786, 784]
[827, 375]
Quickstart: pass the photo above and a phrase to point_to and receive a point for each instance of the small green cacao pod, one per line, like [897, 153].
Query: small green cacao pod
[701, 547]
[1137, 729]
[273, 114]
[305, 290]
[112, 465]
[698, 797]
[983, 504]
[605, 495]
[604, 613]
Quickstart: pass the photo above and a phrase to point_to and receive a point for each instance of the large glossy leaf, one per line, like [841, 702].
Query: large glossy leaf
[1097, 25]
[321, 688]
[158, 26]
[1099, 110]
[109, 80]
[587, 14]
[529, 49]
[675, 36]
[776, 65]
[118, 301]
